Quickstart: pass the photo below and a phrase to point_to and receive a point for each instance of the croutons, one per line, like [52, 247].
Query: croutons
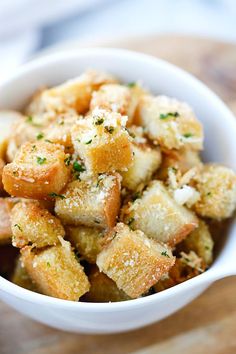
[201, 242]
[146, 161]
[217, 187]
[73, 94]
[2, 164]
[179, 160]
[56, 271]
[21, 278]
[93, 202]
[133, 261]
[38, 171]
[102, 142]
[117, 98]
[159, 216]
[86, 240]
[5, 223]
[34, 225]
[103, 289]
[169, 122]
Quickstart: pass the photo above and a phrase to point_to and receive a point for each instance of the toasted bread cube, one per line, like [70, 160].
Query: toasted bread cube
[21, 278]
[159, 216]
[59, 131]
[169, 122]
[2, 164]
[146, 161]
[5, 222]
[86, 240]
[93, 202]
[103, 289]
[102, 142]
[117, 98]
[56, 271]
[179, 160]
[7, 120]
[73, 94]
[133, 261]
[34, 225]
[217, 187]
[201, 242]
[37, 171]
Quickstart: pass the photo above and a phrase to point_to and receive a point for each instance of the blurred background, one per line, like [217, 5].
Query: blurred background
[29, 26]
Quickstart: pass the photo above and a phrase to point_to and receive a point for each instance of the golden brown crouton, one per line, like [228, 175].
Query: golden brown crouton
[2, 164]
[103, 289]
[38, 171]
[86, 240]
[117, 98]
[133, 261]
[56, 271]
[179, 160]
[102, 142]
[5, 223]
[73, 94]
[33, 225]
[21, 278]
[201, 242]
[169, 122]
[146, 161]
[217, 187]
[93, 202]
[159, 216]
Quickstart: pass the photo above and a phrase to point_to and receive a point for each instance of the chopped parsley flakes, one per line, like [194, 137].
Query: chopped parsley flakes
[41, 160]
[68, 160]
[55, 195]
[39, 136]
[110, 129]
[187, 135]
[169, 114]
[78, 167]
[18, 227]
[131, 84]
[99, 121]
[164, 253]
[88, 142]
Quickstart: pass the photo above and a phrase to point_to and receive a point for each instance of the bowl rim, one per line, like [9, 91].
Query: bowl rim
[207, 277]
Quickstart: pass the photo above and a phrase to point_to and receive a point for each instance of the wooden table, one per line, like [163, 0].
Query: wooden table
[207, 325]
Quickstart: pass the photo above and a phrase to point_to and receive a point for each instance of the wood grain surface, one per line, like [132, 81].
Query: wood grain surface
[208, 324]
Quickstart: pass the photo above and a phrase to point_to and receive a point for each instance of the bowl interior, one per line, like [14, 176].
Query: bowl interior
[156, 75]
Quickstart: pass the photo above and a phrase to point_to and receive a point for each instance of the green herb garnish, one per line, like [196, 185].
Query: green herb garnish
[40, 136]
[169, 114]
[78, 167]
[55, 195]
[41, 160]
[99, 121]
[88, 142]
[18, 227]
[49, 141]
[110, 129]
[188, 135]
[131, 84]
[48, 264]
[130, 222]
[164, 253]
[68, 160]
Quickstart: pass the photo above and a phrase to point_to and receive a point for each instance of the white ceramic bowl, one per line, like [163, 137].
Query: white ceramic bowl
[220, 146]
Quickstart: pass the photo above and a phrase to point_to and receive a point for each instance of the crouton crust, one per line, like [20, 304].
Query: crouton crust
[133, 261]
[93, 202]
[37, 171]
[55, 271]
[169, 122]
[159, 216]
[34, 225]
[217, 187]
[103, 289]
[5, 223]
[2, 164]
[21, 278]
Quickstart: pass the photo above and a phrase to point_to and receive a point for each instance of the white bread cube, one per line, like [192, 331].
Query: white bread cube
[102, 142]
[133, 261]
[117, 98]
[73, 94]
[201, 242]
[158, 215]
[217, 187]
[21, 278]
[86, 241]
[146, 161]
[169, 122]
[34, 225]
[56, 271]
[93, 202]
[102, 288]
[37, 171]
